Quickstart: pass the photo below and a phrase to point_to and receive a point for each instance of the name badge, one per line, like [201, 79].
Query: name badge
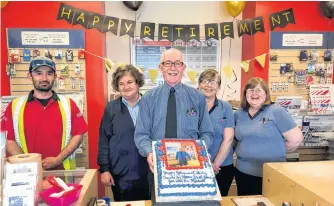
[191, 112]
[265, 120]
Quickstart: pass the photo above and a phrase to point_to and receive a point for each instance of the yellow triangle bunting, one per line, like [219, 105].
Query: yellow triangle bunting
[245, 65]
[261, 59]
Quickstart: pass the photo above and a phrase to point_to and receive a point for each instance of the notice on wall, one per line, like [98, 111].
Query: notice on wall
[198, 56]
[45, 38]
[302, 40]
[147, 54]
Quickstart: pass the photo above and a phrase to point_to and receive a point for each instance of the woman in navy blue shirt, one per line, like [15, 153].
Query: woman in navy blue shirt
[222, 119]
[121, 166]
[265, 133]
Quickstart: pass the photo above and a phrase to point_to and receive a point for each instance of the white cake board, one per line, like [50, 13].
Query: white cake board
[188, 203]
[215, 201]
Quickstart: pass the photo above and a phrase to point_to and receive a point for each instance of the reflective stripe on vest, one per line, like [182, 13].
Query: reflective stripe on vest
[18, 107]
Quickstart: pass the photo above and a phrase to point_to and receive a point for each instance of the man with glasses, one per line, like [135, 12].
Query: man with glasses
[43, 121]
[172, 110]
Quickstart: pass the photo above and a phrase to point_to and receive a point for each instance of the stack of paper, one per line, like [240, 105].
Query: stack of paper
[252, 201]
[20, 184]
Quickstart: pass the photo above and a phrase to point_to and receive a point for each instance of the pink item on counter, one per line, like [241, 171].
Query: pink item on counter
[67, 199]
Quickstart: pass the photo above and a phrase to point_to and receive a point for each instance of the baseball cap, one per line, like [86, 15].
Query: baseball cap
[41, 61]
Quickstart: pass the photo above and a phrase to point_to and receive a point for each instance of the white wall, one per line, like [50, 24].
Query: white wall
[118, 48]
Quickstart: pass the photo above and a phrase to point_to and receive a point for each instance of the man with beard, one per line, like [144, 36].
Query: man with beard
[43, 121]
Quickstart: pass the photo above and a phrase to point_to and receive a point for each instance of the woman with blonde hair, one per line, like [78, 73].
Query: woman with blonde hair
[265, 133]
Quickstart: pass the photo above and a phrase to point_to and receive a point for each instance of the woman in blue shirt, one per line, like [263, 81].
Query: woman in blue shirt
[265, 133]
[222, 119]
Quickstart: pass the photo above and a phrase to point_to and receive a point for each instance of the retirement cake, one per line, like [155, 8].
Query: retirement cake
[183, 171]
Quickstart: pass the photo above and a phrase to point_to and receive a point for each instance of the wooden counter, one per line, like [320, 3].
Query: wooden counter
[89, 188]
[226, 201]
[300, 183]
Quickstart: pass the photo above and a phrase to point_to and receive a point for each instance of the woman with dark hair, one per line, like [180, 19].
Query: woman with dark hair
[222, 119]
[121, 166]
[265, 133]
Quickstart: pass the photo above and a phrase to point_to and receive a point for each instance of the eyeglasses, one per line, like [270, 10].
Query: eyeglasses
[209, 82]
[170, 64]
[256, 91]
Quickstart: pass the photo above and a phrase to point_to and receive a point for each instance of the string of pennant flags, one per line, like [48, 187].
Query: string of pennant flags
[261, 59]
[171, 32]
[110, 65]
[230, 73]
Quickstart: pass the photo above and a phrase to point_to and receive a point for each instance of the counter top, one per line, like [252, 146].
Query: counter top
[226, 201]
[299, 182]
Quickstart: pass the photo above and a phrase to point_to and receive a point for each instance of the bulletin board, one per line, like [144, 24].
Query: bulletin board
[66, 48]
[287, 47]
[301, 65]
[198, 56]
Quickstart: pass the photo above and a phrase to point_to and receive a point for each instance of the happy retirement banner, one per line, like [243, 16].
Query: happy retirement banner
[171, 32]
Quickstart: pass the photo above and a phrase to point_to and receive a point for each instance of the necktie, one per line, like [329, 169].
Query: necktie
[171, 128]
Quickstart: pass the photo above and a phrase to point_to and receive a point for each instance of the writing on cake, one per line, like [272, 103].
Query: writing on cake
[181, 177]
